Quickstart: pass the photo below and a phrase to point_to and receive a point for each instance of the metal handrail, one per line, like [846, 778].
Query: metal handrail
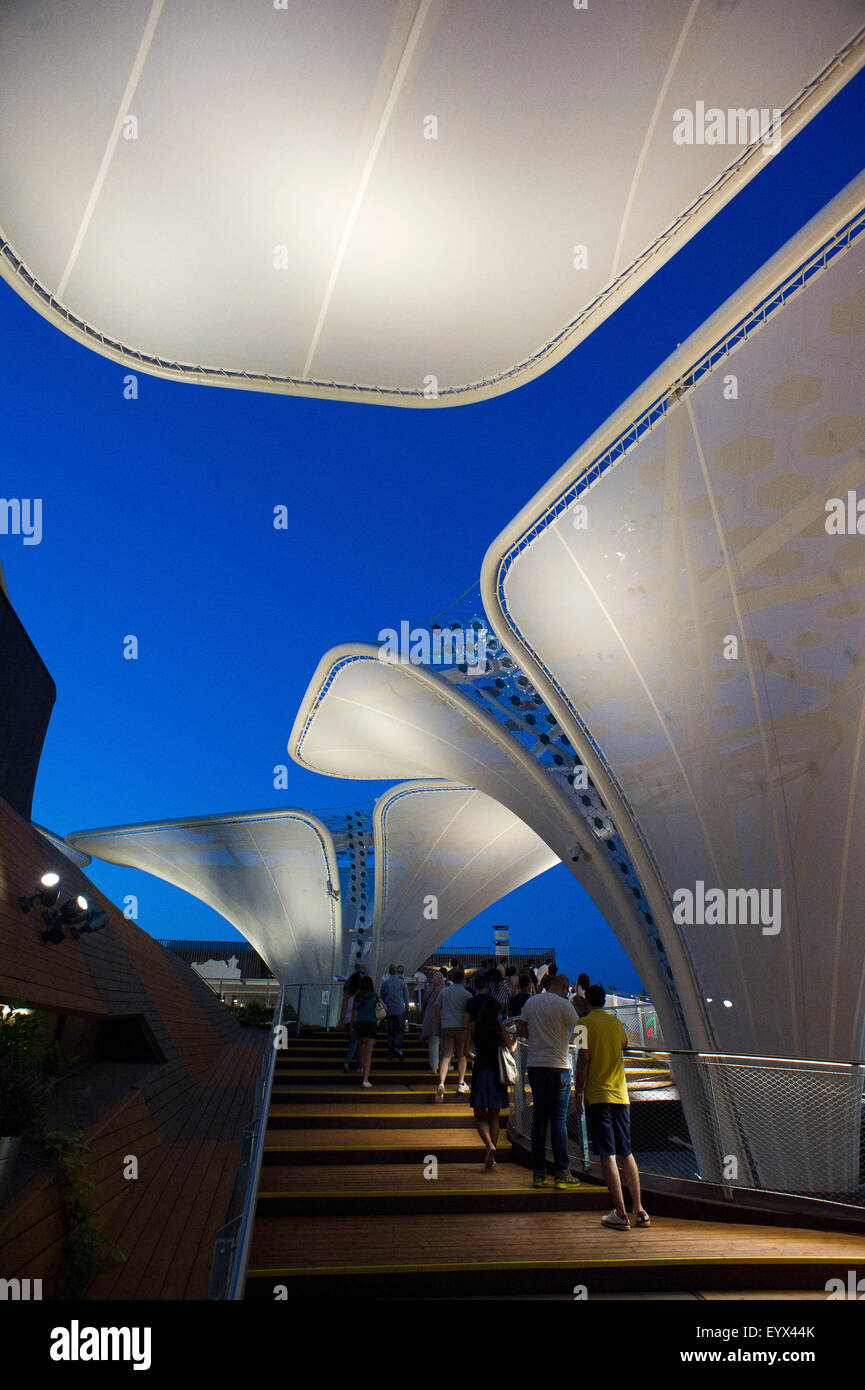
[741, 1057]
[233, 1240]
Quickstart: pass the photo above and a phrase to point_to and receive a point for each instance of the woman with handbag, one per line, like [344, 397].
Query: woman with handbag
[430, 1032]
[369, 1010]
[494, 1049]
[352, 985]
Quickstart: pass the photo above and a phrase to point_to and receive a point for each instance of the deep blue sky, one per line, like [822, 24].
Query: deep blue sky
[158, 521]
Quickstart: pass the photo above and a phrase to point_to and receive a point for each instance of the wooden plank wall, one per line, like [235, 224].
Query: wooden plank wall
[184, 1120]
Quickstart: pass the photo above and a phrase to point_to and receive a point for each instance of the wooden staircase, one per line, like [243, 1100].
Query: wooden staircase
[355, 1183]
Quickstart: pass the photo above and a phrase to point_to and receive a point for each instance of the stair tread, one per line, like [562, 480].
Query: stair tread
[399, 1179]
[368, 1110]
[371, 1139]
[544, 1238]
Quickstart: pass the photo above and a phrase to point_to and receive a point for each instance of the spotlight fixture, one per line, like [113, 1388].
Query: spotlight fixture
[73, 912]
[47, 893]
[94, 921]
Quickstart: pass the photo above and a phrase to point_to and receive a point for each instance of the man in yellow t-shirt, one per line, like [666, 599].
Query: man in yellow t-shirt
[601, 1075]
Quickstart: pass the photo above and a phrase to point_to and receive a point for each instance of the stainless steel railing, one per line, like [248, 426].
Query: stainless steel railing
[231, 1247]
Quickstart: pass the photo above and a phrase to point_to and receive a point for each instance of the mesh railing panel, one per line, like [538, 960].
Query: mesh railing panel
[641, 1024]
[747, 1124]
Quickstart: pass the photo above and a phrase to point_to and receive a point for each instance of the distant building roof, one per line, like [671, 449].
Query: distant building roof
[250, 963]
[472, 956]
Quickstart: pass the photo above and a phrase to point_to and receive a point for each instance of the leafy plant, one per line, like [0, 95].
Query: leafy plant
[81, 1258]
[28, 1068]
[24, 1092]
[22, 1036]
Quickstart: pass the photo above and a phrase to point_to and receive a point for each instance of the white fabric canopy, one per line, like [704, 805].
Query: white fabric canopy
[392, 193]
[708, 630]
[267, 872]
[368, 716]
[444, 853]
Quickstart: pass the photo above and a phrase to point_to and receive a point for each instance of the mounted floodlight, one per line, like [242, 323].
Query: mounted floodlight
[95, 920]
[47, 893]
[73, 911]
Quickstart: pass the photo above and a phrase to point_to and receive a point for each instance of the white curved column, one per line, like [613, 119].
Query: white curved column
[703, 648]
[444, 853]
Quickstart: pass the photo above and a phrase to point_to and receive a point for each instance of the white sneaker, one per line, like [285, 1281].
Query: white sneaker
[463, 1088]
[368, 1085]
[618, 1223]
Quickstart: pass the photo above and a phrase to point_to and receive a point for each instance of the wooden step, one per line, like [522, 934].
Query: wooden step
[358, 1145]
[548, 1251]
[339, 1041]
[394, 1094]
[390, 1074]
[403, 1189]
[382, 1117]
[335, 1076]
[416, 1054]
[372, 1182]
[337, 1062]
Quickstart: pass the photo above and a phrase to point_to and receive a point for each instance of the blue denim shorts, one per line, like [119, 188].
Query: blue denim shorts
[609, 1128]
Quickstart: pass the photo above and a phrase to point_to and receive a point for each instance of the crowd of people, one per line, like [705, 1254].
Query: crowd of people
[481, 1017]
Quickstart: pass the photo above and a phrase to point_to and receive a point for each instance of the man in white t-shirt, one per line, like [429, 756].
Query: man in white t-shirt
[548, 1020]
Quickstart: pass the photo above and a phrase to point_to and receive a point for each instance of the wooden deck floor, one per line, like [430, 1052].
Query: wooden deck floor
[166, 1222]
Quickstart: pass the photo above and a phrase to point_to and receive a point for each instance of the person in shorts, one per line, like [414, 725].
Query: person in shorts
[450, 1011]
[600, 1074]
[365, 1025]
